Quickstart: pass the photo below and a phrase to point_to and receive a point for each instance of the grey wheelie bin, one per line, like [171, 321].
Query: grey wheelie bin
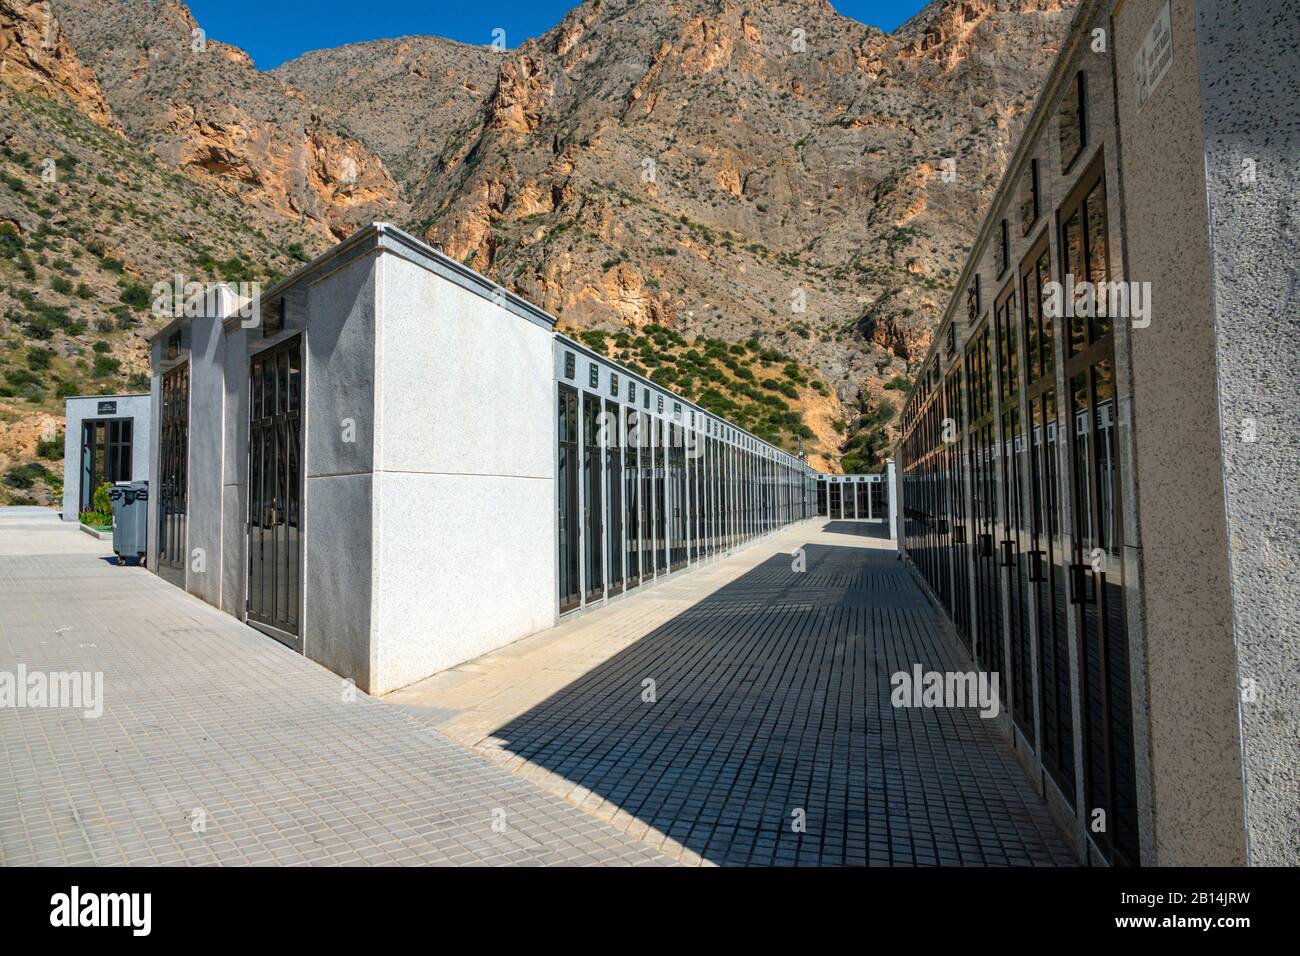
[130, 519]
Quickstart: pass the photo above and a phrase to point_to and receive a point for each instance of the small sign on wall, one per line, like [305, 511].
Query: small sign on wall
[107, 408]
[1154, 56]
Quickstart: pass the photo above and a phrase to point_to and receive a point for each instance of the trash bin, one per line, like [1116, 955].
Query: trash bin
[130, 519]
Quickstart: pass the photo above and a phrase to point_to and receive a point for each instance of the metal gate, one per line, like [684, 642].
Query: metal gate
[1097, 571]
[173, 462]
[275, 491]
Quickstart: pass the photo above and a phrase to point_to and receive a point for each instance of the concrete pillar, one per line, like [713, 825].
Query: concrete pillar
[891, 482]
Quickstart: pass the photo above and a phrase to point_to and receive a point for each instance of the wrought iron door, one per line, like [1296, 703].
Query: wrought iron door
[1046, 554]
[567, 517]
[984, 517]
[275, 489]
[1012, 544]
[1096, 572]
[173, 472]
[593, 500]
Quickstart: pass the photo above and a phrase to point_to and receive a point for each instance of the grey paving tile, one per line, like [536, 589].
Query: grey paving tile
[773, 695]
[201, 712]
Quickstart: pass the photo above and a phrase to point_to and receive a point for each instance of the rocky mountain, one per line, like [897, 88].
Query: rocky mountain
[409, 99]
[90, 219]
[738, 170]
[203, 106]
[762, 205]
[37, 57]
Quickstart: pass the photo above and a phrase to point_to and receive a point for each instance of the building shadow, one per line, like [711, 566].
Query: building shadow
[755, 728]
[129, 562]
[862, 529]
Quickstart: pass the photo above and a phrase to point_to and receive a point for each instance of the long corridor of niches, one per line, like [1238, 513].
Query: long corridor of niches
[853, 497]
[649, 483]
[1013, 492]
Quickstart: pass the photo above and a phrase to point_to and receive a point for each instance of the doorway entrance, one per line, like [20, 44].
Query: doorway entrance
[173, 467]
[105, 455]
[275, 491]
[1097, 570]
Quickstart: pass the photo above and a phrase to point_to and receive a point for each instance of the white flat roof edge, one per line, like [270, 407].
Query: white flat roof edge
[73, 398]
[386, 237]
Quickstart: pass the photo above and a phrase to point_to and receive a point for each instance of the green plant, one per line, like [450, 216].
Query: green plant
[594, 339]
[50, 450]
[135, 295]
[20, 377]
[19, 477]
[11, 243]
[103, 504]
[24, 476]
[97, 519]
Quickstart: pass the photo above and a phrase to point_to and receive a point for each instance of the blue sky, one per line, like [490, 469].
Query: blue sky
[273, 31]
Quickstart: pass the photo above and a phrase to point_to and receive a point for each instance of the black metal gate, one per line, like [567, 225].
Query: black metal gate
[1011, 546]
[568, 479]
[275, 490]
[173, 477]
[1046, 554]
[1097, 571]
[989, 649]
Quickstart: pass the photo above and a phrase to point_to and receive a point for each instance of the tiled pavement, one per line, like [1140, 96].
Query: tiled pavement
[204, 714]
[771, 697]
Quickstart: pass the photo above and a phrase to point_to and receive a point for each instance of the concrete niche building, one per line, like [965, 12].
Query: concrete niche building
[105, 439]
[1099, 454]
[398, 465]
[860, 497]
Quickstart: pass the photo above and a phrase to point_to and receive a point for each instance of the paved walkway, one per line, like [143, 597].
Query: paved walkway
[206, 720]
[771, 707]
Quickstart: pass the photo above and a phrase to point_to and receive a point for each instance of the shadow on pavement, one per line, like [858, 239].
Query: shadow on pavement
[756, 728]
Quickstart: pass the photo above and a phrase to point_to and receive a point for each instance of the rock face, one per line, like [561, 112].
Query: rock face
[769, 172]
[36, 57]
[205, 107]
[90, 220]
[742, 169]
[407, 99]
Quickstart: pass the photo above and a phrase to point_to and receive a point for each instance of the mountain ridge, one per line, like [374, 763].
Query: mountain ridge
[668, 177]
